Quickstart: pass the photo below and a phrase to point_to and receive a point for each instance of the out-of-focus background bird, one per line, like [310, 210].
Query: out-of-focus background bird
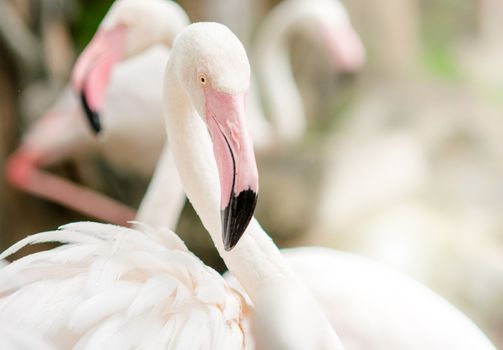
[400, 162]
[123, 108]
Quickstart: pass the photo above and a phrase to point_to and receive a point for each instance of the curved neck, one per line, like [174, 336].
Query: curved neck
[255, 261]
[280, 92]
[155, 210]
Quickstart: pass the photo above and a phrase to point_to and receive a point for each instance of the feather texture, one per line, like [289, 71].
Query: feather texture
[109, 287]
[17, 339]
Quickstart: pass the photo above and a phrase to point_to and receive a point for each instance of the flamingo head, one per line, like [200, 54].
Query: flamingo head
[330, 18]
[212, 66]
[130, 27]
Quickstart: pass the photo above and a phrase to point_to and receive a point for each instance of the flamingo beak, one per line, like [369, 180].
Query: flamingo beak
[345, 47]
[91, 74]
[233, 149]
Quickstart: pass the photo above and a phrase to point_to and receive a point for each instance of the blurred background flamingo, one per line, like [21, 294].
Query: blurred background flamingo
[125, 109]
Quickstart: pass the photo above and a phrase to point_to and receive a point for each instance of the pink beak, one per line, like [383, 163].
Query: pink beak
[233, 149]
[346, 48]
[92, 71]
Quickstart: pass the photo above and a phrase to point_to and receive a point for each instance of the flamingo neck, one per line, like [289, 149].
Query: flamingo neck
[256, 260]
[282, 97]
[155, 210]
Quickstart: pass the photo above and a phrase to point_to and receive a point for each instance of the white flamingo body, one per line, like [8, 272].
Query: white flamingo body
[11, 335]
[374, 307]
[111, 287]
[370, 305]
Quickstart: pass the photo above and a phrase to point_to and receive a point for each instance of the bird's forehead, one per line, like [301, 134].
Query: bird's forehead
[229, 72]
[220, 55]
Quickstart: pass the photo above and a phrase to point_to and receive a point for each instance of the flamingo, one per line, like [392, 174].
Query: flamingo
[193, 307]
[327, 20]
[161, 194]
[156, 208]
[125, 108]
[115, 287]
[309, 258]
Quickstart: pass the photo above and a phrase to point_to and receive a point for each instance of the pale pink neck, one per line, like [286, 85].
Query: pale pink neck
[256, 259]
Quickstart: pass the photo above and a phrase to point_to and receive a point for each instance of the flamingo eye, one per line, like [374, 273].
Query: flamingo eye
[203, 79]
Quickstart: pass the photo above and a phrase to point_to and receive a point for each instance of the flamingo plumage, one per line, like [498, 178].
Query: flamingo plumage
[14, 337]
[17, 339]
[106, 281]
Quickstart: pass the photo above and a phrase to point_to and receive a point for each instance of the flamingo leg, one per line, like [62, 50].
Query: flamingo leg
[24, 171]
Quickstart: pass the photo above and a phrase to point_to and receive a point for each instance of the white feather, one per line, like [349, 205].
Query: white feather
[44, 237]
[105, 281]
[18, 339]
[102, 305]
[153, 292]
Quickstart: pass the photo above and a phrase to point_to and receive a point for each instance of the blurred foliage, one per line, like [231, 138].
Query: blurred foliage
[440, 60]
[444, 23]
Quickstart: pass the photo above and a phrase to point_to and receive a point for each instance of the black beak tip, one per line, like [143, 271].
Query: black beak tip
[229, 244]
[236, 217]
[93, 117]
